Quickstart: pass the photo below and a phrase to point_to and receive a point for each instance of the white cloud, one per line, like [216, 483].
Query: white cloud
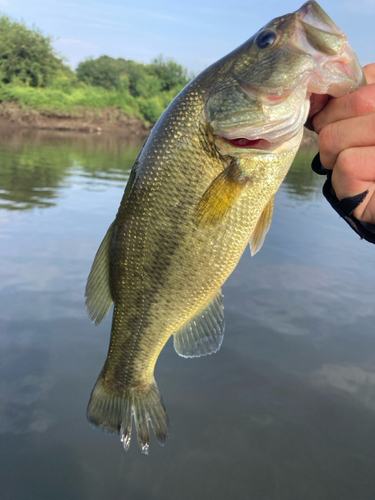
[20, 402]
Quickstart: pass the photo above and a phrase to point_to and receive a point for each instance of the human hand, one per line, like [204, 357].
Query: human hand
[346, 128]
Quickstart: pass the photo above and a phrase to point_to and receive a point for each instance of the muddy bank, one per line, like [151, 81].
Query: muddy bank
[109, 120]
[89, 121]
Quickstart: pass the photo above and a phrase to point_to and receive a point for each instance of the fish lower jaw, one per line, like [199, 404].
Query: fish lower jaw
[337, 76]
[337, 84]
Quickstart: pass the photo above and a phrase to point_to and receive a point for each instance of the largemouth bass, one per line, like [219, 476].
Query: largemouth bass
[201, 189]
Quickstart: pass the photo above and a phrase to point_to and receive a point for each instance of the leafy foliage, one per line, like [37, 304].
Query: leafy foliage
[75, 101]
[170, 73]
[151, 109]
[26, 56]
[142, 80]
[27, 60]
[104, 72]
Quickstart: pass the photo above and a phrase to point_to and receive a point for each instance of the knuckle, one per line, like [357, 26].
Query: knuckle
[326, 139]
[317, 123]
[363, 101]
[347, 161]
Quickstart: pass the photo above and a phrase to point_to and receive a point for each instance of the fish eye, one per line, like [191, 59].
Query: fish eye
[266, 39]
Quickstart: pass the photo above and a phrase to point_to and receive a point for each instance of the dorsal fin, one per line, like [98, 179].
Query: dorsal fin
[262, 227]
[98, 293]
[204, 333]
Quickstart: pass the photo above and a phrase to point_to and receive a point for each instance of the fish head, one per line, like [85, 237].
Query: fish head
[262, 95]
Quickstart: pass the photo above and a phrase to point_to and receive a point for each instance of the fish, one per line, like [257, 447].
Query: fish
[202, 188]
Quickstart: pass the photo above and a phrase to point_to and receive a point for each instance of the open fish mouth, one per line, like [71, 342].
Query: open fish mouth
[337, 70]
[312, 17]
[331, 69]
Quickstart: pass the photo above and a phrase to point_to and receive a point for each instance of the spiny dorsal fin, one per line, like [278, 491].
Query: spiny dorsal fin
[220, 195]
[262, 227]
[204, 333]
[98, 293]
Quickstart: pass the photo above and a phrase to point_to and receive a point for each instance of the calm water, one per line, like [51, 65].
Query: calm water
[284, 411]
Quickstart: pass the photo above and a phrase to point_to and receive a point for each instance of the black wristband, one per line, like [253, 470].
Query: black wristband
[346, 206]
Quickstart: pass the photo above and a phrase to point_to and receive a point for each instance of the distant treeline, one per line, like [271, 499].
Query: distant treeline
[33, 75]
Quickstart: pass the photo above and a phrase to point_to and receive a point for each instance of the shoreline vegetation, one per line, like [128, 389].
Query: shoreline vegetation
[39, 90]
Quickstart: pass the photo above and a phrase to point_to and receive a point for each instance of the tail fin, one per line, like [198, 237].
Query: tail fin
[107, 409]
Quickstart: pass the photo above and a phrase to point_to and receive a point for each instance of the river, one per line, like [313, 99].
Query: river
[284, 411]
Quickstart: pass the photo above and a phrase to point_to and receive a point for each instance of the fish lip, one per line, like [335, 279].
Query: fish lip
[311, 11]
[342, 63]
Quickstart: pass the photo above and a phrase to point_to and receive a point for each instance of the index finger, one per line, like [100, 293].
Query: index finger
[370, 72]
[358, 103]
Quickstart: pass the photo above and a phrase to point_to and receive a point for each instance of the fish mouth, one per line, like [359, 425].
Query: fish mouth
[311, 13]
[336, 71]
[334, 68]
[328, 68]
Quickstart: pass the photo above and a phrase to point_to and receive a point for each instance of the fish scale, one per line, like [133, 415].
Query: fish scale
[195, 198]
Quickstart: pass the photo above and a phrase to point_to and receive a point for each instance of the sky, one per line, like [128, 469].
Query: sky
[194, 33]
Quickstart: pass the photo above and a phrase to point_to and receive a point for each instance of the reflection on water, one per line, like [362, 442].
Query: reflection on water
[302, 181]
[284, 411]
[36, 163]
[351, 379]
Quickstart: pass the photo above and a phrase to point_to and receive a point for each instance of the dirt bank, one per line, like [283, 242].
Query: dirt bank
[109, 119]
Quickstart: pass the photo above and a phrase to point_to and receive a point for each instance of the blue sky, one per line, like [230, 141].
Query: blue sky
[194, 33]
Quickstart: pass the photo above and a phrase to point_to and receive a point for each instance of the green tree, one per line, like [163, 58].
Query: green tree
[104, 72]
[141, 84]
[170, 73]
[119, 74]
[141, 80]
[26, 55]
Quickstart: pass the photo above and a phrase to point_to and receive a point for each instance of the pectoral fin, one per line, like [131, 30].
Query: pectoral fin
[262, 227]
[204, 333]
[98, 293]
[220, 195]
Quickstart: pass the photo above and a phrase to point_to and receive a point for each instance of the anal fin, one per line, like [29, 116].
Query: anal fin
[204, 333]
[262, 227]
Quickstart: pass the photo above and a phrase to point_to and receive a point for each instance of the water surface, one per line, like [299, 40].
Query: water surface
[284, 411]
